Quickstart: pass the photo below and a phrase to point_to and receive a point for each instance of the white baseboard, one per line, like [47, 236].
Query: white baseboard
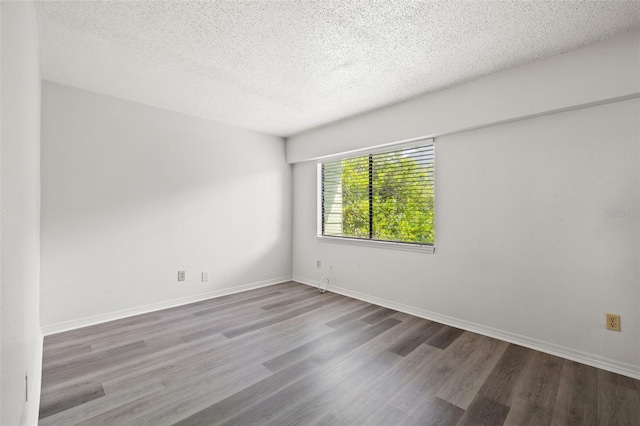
[618, 367]
[111, 316]
[35, 384]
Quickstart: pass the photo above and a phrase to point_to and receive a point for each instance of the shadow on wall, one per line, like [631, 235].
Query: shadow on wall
[131, 194]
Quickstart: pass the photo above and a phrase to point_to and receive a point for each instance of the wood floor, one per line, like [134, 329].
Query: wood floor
[288, 355]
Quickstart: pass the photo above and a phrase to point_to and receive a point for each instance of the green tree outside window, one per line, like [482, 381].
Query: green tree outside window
[387, 197]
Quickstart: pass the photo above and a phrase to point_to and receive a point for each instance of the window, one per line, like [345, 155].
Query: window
[382, 197]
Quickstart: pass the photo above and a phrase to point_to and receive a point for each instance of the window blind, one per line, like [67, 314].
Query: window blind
[386, 196]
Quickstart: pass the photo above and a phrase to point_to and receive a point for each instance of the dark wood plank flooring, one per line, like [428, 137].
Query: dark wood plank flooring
[288, 355]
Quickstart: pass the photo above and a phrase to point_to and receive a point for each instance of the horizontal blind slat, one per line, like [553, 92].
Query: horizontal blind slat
[404, 178]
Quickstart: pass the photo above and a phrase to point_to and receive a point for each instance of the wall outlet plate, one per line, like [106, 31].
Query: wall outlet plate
[613, 322]
[205, 277]
[318, 264]
[181, 275]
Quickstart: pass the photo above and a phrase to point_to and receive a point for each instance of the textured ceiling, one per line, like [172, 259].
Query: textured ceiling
[281, 67]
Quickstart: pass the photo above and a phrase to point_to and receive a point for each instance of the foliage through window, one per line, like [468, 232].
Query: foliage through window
[383, 197]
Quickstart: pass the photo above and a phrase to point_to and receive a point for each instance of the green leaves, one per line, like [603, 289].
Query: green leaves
[402, 197]
[355, 197]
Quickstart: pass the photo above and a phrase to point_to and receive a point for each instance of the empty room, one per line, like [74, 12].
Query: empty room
[356, 212]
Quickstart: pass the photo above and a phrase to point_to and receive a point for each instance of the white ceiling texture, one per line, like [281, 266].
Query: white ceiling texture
[282, 67]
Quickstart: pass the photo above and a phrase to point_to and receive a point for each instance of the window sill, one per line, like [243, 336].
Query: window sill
[378, 244]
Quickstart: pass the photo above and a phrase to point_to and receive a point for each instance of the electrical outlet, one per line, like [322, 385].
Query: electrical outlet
[181, 275]
[318, 264]
[205, 277]
[613, 322]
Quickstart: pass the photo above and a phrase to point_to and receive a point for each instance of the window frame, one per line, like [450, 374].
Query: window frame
[394, 245]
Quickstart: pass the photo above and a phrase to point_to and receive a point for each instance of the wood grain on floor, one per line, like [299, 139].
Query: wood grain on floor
[288, 355]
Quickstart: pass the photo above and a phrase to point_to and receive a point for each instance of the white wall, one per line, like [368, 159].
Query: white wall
[131, 194]
[524, 249]
[20, 221]
[596, 73]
